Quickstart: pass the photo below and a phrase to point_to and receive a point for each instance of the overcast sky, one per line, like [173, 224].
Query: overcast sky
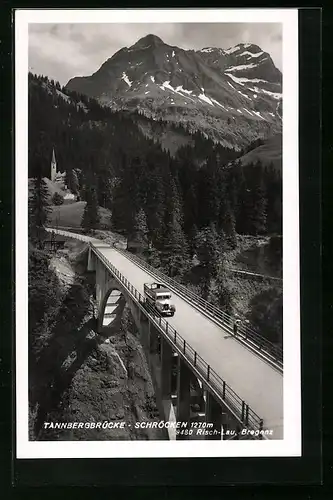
[62, 51]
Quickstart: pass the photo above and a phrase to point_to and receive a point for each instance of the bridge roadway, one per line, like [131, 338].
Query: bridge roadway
[251, 377]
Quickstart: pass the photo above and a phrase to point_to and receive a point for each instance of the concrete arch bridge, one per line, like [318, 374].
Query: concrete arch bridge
[204, 377]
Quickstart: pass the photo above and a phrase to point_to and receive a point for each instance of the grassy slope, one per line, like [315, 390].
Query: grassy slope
[171, 140]
[54, 187]
[269, 152]
[71, 215]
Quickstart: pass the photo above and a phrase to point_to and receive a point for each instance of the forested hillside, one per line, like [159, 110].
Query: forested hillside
[129, 172]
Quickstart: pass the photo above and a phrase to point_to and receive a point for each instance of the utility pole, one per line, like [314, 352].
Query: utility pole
[57, 218]
[53, 242]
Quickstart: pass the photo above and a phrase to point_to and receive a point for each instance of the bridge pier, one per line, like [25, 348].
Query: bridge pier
[91, 266]
[183, 394]
[166, 368]
[153, 340]
[213, 414]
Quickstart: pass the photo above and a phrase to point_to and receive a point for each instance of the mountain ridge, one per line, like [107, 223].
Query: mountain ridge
[232, 95]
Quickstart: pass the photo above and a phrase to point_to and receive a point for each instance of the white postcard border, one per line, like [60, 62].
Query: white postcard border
[291, 444]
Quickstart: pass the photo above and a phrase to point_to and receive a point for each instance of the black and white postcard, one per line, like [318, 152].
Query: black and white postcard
[157, 237]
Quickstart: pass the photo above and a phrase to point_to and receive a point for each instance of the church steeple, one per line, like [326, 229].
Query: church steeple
[53, 167]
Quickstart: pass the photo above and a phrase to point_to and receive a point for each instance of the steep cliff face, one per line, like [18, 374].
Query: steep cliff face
[112, 386]
[231, 95]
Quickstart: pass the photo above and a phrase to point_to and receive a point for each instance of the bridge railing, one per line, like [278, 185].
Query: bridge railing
[239, 407]
[69, 233]
[244, 332]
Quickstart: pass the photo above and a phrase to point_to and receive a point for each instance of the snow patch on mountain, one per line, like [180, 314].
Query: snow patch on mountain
[277, 110]
[244, 95]
[248, 111]
[275, 95]
[207, 49]
[258, 114]
[218, 103]
[126, 79]
[152, 79]
[167, 85]
[250, 54]
[173, 54]
[241, 67]
[243, 80]
[231, 50]
[178, 90]
[236, 79]
[181, 89]
[203, 97]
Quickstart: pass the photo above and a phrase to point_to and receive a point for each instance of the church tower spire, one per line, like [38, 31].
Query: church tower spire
[53, 167]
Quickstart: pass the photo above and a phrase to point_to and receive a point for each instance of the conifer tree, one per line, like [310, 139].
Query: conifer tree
[175, 255]
[71, 181]
[57, 199]
[191, 236]
[251, 218]
[208, 193]
[140, 225]
[38, 208]
[230, 227]
[119, 206]
[90, 218]
[274, 200]
[259, 214]
[174, 246]
[207, 249]
[44, 296]
[223, 293]
[138, 239]
[266, 314]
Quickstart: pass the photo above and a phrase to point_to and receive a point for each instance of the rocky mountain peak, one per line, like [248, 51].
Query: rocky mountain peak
[234, 91]
[148, 41]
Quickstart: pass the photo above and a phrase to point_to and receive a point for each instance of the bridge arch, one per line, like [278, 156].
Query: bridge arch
[111, 297]
[111, 310]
